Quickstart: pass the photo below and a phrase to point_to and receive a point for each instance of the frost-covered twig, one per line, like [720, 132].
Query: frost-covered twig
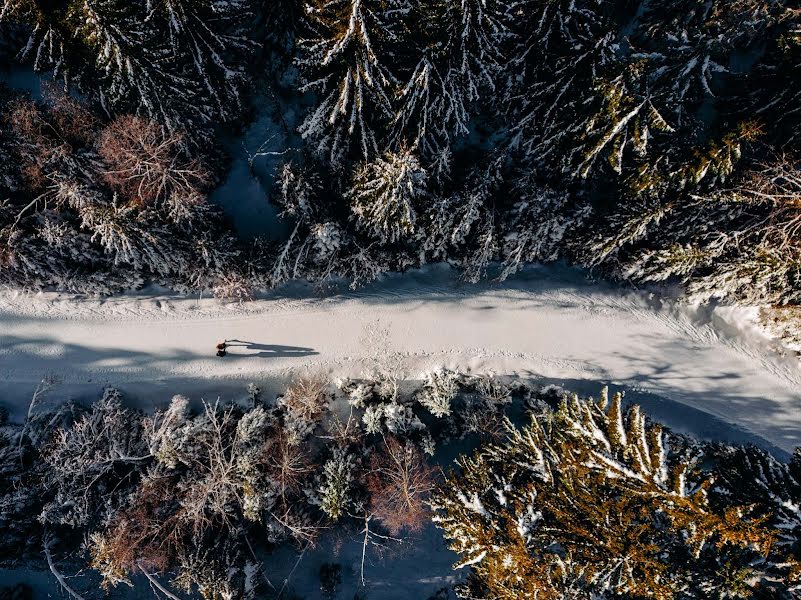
[154, 582]
[59, 577]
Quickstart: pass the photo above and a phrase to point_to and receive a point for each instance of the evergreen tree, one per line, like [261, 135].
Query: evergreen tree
[171, 61]
[461, 65]
[385, 195]
[345, 60]
[525, 513]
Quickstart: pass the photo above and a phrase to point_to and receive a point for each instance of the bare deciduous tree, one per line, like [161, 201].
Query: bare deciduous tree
[147, 164]
[399, 483]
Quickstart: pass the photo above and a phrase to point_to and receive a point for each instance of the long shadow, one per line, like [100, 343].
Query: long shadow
[267, 350]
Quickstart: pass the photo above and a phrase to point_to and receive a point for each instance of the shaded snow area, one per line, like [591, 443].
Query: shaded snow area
[415, 569]
[244, 194]
[548, 323]
[22, 78]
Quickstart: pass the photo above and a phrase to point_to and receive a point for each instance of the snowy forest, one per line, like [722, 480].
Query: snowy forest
[652, 144]
[648, 141]
[579, 498]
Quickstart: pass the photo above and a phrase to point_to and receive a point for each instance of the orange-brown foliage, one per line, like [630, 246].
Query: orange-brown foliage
[147, 164]
[399, 484]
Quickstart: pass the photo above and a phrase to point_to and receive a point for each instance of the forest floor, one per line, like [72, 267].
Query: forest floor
[549, 323]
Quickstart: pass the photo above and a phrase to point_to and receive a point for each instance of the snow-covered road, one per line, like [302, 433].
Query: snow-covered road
[549, 323]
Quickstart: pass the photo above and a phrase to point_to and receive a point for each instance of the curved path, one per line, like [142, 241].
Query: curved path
[549, 323]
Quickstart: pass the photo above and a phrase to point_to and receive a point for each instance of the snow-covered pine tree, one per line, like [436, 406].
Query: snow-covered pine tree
[693, 48]
[774, 94]
[345, 59]
[540, 225]
[49, 45]
[614, 86]
[170, 61]
[298, 195]
[564, 45]
[461, 63]
[747, 475]
[748, 248]
[461, 226]
[524, 514]
[621, 116]
[385, 195]
[334, 488]
[96, 199]
[210, 44]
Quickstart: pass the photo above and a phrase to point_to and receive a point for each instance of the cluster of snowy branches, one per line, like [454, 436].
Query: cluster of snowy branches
[181, 63]
[589, 501]
[96, 206]
[649, 140]
[186, 497]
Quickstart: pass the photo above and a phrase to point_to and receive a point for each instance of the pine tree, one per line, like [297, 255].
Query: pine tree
[690, 47]
[564, 47]
[540, 225]
[460, 66]
[773, 94]
[525, 513]
[385, 195]
[336, 481]
[170, 61]
[344, 60]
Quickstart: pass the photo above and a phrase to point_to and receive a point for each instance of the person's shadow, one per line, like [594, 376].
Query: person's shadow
[265, 350]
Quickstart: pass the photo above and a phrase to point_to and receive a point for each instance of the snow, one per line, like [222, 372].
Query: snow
[22, 78]
[710, 364]
[244, 195]
[415, 569]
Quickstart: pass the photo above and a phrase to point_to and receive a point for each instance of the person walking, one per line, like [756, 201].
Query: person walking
[221, 348]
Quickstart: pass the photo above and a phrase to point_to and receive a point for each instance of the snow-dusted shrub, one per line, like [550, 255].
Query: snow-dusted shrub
[335, 486]
[164, 437]
[439, 391]
[481, 407]
[103, 448]
[428, 445]
[359, 393]
[303, 404]
[477, 417]
[399, 419]
[493, 392]
[393, 417]
[234, 287]
[373, 418]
